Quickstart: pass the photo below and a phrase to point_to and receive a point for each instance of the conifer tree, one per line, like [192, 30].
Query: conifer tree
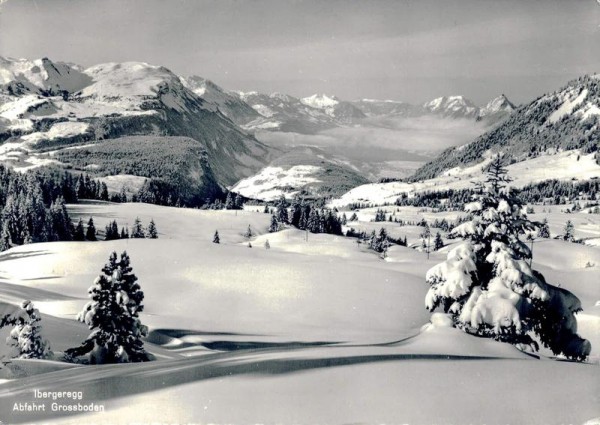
[314, 221]
[438, 243]
[274, 226]
[229, 204]
[281, 212]
[124, 233]
[216, 238]
[113, 315]
[90, 233]
[103, 192]
[60, 226]
[137, 231]
[569, 232]
[248, 233]
[487, 286]
[79, 232]
[112, 231]
[152, 232]
[267, 244]
[5, 241]
[25, 337]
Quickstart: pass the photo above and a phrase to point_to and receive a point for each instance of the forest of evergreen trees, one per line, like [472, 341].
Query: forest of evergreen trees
[555, 192]
[305, 216]
[33, 209]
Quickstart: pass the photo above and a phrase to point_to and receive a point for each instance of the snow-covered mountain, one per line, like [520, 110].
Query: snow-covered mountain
[499, 104]
[343, 112]
[452, 106]
[283, 112]
[40, 76]
[112, 100]
[228, 103]
[496, 110]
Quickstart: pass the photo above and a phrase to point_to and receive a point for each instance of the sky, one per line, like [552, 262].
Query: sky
[404, 50]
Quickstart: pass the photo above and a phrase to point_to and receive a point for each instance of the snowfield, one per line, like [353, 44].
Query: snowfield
[316, 329]
[270, 183]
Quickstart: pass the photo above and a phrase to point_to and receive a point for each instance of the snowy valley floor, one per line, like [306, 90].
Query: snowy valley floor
[317, 331]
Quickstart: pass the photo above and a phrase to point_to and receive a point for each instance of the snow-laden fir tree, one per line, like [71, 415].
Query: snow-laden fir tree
[25, 338]
[569, 230]
[113, 315]
[216, 238]
[274, 226]
[281, 212]
[267, 244]
[487, 285]
[5, 240]
[248, 233]
[137, 230]
[152, 231]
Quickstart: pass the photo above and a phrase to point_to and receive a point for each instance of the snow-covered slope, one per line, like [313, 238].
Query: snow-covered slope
[566, 165]
[308, 331]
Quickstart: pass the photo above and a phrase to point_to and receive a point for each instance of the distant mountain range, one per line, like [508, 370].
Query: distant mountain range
[308, 115]
[51, 113]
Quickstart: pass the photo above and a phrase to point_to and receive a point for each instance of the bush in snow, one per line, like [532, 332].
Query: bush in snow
[544, 230]
[25, 337]
[113, 314]
[487, 285]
